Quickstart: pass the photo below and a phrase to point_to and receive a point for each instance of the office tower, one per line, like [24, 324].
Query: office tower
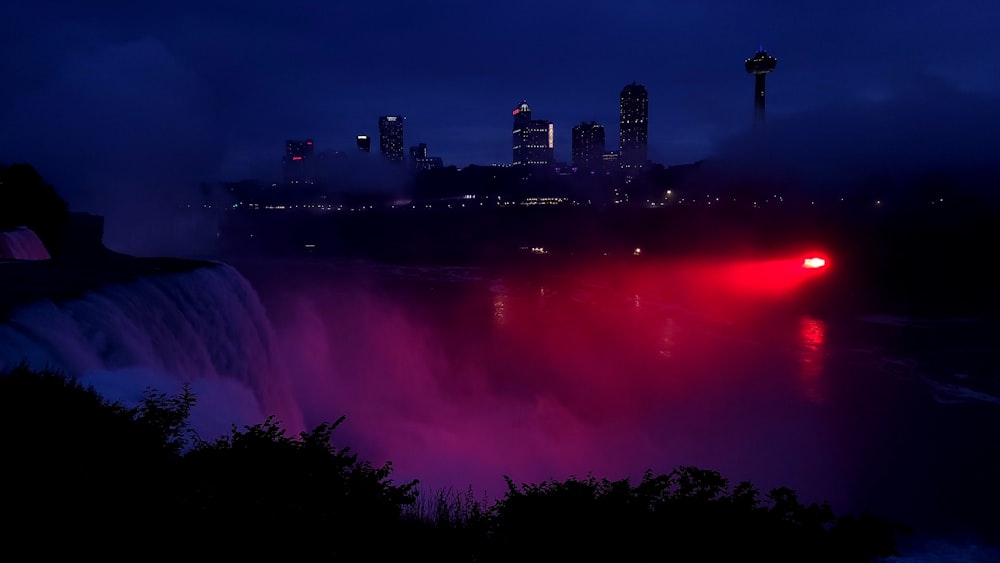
[611, 161]
[429, 163]
[633, 126]
[297, 164]
[420, 160]
[418, 151]
[588, 145]
[532, 138]
[390, 137]
[759, 65]
[364, 143]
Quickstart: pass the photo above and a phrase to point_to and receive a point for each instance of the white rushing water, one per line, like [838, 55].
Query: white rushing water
[22, 244]
[205, 327]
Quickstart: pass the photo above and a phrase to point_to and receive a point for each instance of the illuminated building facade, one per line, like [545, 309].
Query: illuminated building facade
[418, 151]
[633, 127]
[588, 146]
[611, 160]
[390, 137]
[297, 164]
[759, 65]
[364, 143]
[420, 160]
[532, 138]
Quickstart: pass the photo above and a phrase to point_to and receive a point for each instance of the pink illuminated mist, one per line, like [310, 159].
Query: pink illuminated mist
[462, 376]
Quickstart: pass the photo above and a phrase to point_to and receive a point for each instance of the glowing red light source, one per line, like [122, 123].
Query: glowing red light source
[517, 111]
[296, 158]
[813, 262]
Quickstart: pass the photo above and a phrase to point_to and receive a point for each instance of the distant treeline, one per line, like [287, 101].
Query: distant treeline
[87, 477]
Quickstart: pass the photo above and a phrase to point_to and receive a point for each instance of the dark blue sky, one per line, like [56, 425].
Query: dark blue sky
[123, 97]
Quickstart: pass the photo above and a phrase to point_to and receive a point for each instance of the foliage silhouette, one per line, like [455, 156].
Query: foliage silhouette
[258, 478]
[100, 478]
[688, 514]
[77, 466]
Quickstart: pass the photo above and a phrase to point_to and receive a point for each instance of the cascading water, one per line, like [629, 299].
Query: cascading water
[22, 244]
[205, 327]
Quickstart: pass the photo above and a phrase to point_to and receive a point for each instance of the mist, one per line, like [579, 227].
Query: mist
[460, 378]
[924, 129]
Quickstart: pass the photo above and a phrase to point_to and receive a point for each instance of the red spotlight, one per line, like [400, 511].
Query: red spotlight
[813, 263]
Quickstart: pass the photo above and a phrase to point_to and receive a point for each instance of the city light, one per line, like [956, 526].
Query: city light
[813, 262]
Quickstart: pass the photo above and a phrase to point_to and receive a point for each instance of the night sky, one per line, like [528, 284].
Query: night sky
[127, 99]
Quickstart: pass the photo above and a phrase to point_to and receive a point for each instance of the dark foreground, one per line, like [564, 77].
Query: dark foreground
[100, 479]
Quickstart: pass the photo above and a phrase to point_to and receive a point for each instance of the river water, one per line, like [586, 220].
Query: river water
[460, 376]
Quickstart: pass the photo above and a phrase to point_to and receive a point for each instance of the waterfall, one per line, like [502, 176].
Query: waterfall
[22, 244]
[206, 327]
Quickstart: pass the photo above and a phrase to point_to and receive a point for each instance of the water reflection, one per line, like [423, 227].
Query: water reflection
[612, 372]
[812, 335]
[668, 339]
[500, 310]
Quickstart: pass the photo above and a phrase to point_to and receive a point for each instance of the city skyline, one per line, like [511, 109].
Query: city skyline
[530, 146]
[104, 99]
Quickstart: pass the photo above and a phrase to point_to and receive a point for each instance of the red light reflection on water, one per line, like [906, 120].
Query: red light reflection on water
[812, 332]
[610, 369]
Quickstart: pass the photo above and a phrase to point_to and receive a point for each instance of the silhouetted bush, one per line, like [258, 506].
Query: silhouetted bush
[261, 483]
[79, 468]
[690, 514]
[98, 478]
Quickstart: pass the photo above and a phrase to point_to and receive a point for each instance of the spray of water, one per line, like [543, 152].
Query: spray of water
[205, 327]
[22, 244]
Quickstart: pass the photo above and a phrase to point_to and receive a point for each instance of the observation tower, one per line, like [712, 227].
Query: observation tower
[759, 65]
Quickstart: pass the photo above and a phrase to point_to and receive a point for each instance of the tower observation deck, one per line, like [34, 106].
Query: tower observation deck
[759, 65]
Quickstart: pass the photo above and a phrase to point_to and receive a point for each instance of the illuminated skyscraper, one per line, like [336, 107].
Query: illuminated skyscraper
[364, 143]
[420, 160]
[532, 138]
[588, 146]
[633, 126]
[610, 161]
[418, 151]
[297, 164]
[390, 137]
[759, 65]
